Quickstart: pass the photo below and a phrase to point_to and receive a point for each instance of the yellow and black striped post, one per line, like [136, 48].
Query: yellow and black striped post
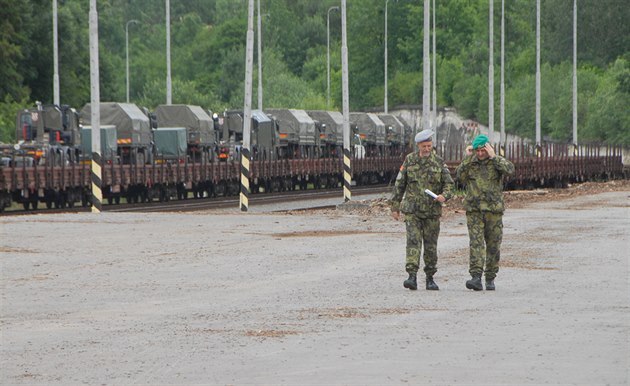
[97, 183]
[347, 175]
[244, 197]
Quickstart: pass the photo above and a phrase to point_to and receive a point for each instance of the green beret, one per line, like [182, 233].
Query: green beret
[479, 141]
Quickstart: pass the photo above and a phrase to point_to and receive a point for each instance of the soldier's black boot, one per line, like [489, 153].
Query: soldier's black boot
[474, 283]
[490, 285]
[411, 282]
[431, 286]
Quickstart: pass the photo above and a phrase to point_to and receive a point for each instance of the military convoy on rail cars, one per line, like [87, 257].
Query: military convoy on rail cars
[182, 150]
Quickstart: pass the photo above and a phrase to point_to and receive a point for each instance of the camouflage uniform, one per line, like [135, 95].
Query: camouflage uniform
[422, 213]
[484, 210]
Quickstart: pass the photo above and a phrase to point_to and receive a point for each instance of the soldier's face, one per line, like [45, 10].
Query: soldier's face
[481, 153]
[424, 148]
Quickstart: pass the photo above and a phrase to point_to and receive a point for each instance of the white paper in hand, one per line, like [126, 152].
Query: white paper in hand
[430, 193]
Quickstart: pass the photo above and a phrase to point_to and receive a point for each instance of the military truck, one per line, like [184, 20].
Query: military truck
[201, 136]
[51, 131]
[297, 133]
[109, 144]
[133, 130]
[330, 127]
[395, 134]
[264, 136]
[371, 132]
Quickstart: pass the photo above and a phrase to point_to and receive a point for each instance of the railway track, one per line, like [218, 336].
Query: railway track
[308, 197]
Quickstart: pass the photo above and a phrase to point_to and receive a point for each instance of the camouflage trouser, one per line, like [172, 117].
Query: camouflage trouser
[485, 230]
[422, 231]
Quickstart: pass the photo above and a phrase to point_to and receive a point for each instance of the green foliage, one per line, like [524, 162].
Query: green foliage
[208, 57]
[184, 92]
[609, 118]
[406, 88]
[8, 112]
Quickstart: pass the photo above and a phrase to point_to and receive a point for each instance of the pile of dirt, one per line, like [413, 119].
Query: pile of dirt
[513, 199]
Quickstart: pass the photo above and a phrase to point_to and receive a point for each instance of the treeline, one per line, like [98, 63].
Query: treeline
[208, 58]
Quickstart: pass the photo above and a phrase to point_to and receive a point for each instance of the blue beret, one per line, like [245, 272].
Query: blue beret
[424, 136]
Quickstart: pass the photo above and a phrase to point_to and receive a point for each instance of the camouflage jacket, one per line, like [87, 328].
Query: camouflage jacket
[417, 174]
[484, 182]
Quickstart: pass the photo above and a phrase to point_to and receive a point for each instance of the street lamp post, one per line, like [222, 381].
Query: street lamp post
[385, 98]
[260, 88]
[127, 52]
[328, 57]
[55, 57]
[169, 84]
[385, 104]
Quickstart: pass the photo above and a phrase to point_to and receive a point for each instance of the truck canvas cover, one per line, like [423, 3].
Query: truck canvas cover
[263, 133]
[371, 128]
[394, 128]
[198, 123]
[334, 125]
[170, 141]
[132, 125]
[294, 125]
[109, 145]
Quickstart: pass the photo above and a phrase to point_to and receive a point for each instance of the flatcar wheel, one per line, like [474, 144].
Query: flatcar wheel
[222, 189]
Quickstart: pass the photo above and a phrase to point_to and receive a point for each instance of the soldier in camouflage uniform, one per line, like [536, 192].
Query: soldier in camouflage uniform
[421, 170]
[483, 173]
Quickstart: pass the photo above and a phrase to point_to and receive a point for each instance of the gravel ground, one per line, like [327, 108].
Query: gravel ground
[316, 297]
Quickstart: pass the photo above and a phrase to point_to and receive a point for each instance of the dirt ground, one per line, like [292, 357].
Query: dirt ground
[513, 199]
[316, 298]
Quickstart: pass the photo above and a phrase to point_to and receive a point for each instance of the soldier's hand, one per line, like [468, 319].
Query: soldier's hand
[490, 151]
[396, 215]
[469, 150]
[440, 198]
